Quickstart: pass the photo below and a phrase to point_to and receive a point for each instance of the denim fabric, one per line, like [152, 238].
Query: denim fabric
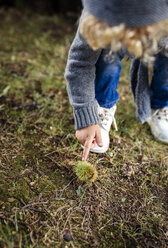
[107, 78]
[106, 82]
[159, 84]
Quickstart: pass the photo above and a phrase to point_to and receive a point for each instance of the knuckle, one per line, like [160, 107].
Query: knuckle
[89, 136]
[76, 135]
[87, 147]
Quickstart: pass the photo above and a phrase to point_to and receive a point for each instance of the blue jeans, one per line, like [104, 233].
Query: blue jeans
[159, 84]
[107, 78]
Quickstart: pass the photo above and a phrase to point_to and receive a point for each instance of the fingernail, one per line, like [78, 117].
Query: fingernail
[100, 144]
[83, 159]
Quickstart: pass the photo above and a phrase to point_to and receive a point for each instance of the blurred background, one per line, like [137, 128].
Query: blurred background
[44, 6]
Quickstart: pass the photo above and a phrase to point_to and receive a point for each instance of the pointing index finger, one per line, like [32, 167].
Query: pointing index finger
[87, 147]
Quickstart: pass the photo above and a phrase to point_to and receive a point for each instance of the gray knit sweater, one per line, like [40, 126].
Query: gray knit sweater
[80, 76]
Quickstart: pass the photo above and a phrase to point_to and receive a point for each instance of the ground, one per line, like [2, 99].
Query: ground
[42, 204]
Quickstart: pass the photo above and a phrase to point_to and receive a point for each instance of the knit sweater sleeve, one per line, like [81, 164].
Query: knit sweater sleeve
[80, 77]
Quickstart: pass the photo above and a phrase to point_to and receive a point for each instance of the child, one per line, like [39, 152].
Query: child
[110, 31]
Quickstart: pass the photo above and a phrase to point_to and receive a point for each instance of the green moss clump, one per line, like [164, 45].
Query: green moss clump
[86, 172]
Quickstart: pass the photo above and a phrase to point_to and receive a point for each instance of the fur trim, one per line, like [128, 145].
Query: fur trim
[142, 42]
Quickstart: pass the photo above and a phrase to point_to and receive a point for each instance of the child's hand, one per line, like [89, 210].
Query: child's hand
[88, 137]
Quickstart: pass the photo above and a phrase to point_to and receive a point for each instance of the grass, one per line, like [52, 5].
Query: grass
[40, 196]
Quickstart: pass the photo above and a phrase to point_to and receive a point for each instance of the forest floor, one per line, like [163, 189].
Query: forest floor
[41, 201]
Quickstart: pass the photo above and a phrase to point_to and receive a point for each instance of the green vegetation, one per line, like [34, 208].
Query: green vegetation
[40, 198]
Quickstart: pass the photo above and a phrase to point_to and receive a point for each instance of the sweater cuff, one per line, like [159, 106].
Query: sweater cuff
[86, 116]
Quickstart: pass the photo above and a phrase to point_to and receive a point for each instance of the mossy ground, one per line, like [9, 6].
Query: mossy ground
[40, 196]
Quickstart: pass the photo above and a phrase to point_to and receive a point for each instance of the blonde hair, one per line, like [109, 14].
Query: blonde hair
[140, 41]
